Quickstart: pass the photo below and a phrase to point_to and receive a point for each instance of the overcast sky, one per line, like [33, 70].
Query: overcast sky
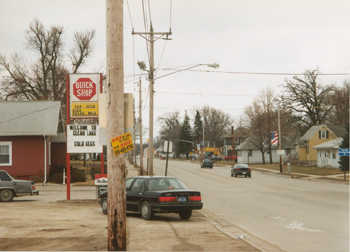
[253, 36]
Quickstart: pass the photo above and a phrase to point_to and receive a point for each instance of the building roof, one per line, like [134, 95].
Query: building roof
[339, 131]
[333, 144]
[29, 118]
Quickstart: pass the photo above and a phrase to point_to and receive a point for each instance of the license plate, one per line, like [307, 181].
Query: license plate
[181, 199]
[243, 173]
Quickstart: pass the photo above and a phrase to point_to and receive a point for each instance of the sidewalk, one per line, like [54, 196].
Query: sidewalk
[167, 232]
[334, 177]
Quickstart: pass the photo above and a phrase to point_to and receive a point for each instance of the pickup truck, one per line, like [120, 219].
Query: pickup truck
[10, 187]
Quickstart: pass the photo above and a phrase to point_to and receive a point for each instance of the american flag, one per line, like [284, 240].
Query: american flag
[274, 137]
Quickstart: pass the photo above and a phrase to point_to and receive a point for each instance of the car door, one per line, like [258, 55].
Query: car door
[5, 180]
[135, 194]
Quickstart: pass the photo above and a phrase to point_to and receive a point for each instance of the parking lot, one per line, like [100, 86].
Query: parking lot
[49, 222]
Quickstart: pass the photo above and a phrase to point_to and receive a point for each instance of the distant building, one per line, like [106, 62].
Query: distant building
[27, 129]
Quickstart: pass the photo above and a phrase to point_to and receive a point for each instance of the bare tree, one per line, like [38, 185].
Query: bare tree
[215, 124]
[339, 115]
[170, 126]
[307, 98]
[44, 79]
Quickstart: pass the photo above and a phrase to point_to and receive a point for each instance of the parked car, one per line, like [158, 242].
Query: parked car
[241, 169]
[207, 163]
[162, 157]
[10, 187]
[232, 157]
[149, 195]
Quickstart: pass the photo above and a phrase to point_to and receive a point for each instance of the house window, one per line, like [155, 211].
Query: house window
[334, 155]
[5, 153]
[323, 134]
[250, 153]
[307, 149]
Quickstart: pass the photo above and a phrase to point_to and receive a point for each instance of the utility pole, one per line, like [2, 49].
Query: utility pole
[279, 135]
[151, 40]
[115, 126]
[140, 126]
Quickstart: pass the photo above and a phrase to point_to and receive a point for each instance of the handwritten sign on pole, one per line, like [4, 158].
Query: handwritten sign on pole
[122, 144]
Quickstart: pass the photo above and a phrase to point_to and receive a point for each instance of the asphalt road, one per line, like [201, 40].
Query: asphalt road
[295, 215]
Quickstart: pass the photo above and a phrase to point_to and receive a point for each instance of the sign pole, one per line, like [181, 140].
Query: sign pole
[67, 123]
[102, 155]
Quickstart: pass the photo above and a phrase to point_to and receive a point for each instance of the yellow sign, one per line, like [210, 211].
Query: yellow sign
[122, 144]
[88, 109]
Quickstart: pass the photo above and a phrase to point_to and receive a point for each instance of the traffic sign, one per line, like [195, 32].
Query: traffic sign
[84, 89]
[344, 152]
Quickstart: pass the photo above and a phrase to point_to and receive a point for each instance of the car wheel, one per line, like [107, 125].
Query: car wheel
[235, 174]
[185, 214]
[146, 211]
[6, 195]
[104, 205]
[231, 174]
[250, 176]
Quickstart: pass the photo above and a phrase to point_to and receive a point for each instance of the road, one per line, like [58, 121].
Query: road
[295, 215]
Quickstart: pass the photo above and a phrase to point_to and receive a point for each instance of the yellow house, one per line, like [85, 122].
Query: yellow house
[316, 135]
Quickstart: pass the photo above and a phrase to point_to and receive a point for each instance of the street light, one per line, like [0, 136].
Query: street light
[142, 66]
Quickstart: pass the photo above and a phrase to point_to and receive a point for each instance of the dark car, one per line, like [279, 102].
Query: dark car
[241, 169]
[207, 163]
[215, 158]
[149, 195]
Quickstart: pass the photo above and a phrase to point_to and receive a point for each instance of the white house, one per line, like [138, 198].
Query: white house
[248, 153]
[328, 153]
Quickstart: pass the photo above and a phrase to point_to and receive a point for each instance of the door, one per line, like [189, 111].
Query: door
[135, 194]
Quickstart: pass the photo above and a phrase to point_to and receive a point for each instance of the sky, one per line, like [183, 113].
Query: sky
[257, 43]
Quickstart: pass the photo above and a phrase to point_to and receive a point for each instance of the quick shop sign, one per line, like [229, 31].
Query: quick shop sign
[83, 138]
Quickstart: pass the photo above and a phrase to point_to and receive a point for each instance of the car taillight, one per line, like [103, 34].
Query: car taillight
[167, 199]
[33, 187]
[237, 169]
[249, 169]
[195, 198]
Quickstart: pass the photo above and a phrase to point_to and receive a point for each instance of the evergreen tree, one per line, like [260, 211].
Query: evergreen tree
[197, 128]
[344, 160]
[185, 134]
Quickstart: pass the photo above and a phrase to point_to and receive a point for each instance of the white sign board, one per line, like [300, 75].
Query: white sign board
[83, 138]
[280, 152]
[166, 146]
[84, 91]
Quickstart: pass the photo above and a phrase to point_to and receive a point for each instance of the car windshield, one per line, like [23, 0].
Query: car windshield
[155, 184]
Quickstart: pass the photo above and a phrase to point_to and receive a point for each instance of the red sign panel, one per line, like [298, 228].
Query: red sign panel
[84, 89]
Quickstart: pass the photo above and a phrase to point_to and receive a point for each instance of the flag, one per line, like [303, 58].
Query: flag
[274, 137]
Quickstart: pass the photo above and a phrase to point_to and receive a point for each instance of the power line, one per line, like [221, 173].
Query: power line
[127, 3]
[253, 73]
[201, 94]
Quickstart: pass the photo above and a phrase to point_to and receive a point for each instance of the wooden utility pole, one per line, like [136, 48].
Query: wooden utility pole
[151, 40]
[115, 126]
[140, 125]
